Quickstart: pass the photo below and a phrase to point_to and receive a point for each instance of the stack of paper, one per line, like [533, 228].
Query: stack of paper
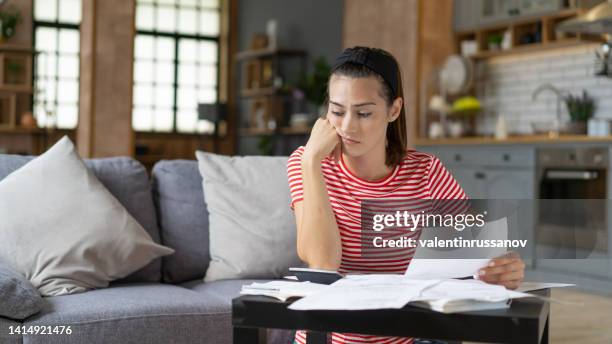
[451, 296]
[360, 292]
[282, 290]
[363, 292]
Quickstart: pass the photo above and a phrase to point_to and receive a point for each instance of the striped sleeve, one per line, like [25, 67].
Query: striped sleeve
[444, 187]
[294, 175]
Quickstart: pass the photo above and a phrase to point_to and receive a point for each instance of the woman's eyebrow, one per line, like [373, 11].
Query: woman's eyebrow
[364, 104]
[354, 105]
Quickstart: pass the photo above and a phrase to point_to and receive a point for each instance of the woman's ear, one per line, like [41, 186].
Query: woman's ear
[396, 109]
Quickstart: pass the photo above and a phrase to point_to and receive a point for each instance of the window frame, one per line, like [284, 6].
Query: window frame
[177, 37]
[57, 25]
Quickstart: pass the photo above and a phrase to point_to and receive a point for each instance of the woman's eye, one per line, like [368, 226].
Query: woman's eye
[337, 113]
[364, 114]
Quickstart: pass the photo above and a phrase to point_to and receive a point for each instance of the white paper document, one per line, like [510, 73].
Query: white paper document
[364, 292]
[430, 263]
[282, 290]
[360, 292]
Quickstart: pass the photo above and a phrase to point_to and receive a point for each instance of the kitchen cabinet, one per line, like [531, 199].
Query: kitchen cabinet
[464, 14]
[497, 173]
[491, 173]
[473, 14]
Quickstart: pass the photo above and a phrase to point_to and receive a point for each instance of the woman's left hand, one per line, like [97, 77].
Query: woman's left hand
[507, 270]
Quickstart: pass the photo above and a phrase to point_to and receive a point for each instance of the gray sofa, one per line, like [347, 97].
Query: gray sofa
[167, 300]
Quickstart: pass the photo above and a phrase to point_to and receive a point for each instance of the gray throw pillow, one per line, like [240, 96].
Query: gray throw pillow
[18, 297]
[64, 231]
[252, 229]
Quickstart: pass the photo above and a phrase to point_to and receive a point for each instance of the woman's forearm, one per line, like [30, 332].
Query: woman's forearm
[318, 237]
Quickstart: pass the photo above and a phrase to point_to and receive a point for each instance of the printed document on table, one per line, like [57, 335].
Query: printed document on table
[430, 263]
[361, 292]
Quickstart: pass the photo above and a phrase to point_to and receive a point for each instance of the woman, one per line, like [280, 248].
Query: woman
[357, 152]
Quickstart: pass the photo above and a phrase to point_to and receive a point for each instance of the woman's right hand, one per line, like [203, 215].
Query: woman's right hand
[324, 141]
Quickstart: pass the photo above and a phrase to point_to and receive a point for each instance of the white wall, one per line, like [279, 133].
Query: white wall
[505, 84]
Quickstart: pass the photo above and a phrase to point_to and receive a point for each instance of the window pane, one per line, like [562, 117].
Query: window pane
[144, 17]
[166, 19]
[187, 98]
[168, 2]
[164, 73]
[68, 92]
[46, 39]
[67, 116]
[164, 49]
[209, 3]
[164, 96]
[208, 52]
[187, 20]
[207, 76]
[142, 119]
[143, 95]
[45, 65]
[209, 23]
[47, 94]
[69, 11]
[69, 67]
[187, 74]
[188, 50]
[69, 41]
[143, 47]
[186, 121]
[207, 95]
[143, 71]
[45, 10]
[163, 119]
[51, 65]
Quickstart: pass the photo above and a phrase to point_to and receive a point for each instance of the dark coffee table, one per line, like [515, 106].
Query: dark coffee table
[526, 321]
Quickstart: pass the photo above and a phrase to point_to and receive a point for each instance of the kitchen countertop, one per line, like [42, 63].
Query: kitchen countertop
[522, 139]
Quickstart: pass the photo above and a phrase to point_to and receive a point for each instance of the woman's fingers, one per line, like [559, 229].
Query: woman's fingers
[507, 270]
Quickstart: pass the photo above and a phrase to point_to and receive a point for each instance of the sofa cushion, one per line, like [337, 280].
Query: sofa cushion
[136, 313]
[18, 297]
[252, 230]
[183, 219]
[5, 335]
[226, 290]
[127, 180]
[64, 230]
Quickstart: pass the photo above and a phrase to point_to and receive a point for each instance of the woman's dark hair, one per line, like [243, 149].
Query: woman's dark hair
[397, 140]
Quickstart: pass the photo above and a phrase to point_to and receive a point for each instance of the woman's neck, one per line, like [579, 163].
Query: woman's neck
[370, 167]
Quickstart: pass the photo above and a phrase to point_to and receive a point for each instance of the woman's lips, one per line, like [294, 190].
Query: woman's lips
[349, 141]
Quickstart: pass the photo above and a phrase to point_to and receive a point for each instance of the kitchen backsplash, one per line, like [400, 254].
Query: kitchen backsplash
[505, 85]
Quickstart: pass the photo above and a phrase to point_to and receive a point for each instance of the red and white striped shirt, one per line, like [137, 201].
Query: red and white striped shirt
[419, 176]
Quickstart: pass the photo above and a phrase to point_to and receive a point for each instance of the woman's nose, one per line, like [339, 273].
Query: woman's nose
[349, 124]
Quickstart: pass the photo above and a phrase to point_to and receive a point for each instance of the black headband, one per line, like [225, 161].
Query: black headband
[378, 62]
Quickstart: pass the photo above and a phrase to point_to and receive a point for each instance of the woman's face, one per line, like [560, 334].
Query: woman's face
[360, 114]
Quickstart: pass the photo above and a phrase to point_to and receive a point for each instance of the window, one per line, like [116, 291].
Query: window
[56, 70]
[176, 64]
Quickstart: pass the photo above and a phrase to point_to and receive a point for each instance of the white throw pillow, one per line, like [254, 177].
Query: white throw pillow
[63, 230]
[252, 229]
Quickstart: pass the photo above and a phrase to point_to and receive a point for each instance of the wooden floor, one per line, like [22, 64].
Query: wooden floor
[588, 321]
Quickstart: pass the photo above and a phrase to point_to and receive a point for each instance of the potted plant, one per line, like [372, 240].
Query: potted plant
[314, 85]
[580, 109]
[8, 22]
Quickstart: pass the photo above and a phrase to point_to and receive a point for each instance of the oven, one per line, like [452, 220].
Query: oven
[571, 220]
